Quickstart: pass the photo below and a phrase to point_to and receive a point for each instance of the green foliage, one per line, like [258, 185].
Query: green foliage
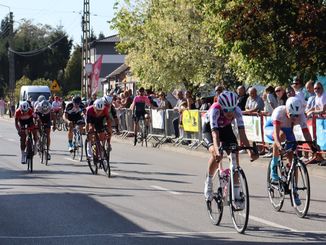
[72, 74]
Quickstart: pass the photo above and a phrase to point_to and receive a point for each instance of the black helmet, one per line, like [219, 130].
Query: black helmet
[76, 100]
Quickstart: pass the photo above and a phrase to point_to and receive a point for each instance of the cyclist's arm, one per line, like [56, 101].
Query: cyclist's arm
[276, 134]
[17, 124]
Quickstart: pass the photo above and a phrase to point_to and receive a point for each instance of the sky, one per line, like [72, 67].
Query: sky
[67, 13]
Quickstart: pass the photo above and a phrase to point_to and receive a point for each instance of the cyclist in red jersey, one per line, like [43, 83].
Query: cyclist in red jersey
[24, 117]
[97, 119]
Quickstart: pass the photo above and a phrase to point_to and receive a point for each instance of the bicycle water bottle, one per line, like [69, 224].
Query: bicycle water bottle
[224, 179]
[283, 173]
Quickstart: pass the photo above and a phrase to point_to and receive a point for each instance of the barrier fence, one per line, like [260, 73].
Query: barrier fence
[162, 123]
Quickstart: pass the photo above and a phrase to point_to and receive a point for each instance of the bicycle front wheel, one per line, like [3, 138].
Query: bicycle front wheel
[30, 154]
[215, 207]
[81, 147]
[90, 159]
[239, 208]
[275, 192]
[300, 189]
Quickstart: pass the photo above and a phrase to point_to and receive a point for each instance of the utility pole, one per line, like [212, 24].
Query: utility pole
[11, 56]
[86, 53]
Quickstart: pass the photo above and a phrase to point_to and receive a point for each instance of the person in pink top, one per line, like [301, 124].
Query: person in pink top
[138, 108]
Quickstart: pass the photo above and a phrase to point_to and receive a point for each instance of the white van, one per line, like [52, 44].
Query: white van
[33, 91]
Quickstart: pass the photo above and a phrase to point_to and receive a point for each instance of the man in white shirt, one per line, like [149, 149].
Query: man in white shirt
[297, 86]
[320, 100]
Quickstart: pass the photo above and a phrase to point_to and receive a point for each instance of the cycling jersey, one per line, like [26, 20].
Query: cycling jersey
[44, 117]
[215, 118]
[97, 118]
[140, 102]
[279, 117]
[56, 105]
[25, 118]
[74, 112]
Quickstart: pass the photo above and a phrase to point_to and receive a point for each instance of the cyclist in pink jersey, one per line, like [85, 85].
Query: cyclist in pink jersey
[218, 129]
[138, 107]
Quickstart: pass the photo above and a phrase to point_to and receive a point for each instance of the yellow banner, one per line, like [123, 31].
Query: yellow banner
[190, 120]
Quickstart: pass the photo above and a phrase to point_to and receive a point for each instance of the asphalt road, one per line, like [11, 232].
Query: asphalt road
[155, 196]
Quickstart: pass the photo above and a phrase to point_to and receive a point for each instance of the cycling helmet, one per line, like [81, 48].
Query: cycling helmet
[24, 107]
[76, 100]
[45, 107]
[293, 106]
[41, 98]
[228, 100]
[107, 99]
[99, 104]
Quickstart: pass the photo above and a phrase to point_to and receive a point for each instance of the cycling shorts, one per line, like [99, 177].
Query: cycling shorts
[76, 119]
[139, 115]
[226, 135]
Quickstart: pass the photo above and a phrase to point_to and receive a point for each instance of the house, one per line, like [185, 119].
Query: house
[111, 58]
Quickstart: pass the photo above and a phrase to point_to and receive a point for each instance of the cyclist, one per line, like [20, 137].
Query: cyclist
[72, 116]
[217, 130]
[139, 112]
[97, 119]
[283, 120]
[57, 107]
[113, 113]
[43, 111]
[24, 117]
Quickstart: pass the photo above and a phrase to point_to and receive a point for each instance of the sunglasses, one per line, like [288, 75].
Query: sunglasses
[317, 88]
[294, 115]
[228, 110]
[276, 91]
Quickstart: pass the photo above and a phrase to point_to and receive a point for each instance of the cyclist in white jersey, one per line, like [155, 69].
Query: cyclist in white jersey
[218, 129]
[283, 119]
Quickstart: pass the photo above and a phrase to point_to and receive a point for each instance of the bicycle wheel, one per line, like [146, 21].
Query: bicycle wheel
[276, 192]
[300, 185]
[41, 149]
[90, 159]
[60, 124]
[74, 143]
[46, 150]
[30, 154]
[215, 207]
[240, 214]
[106, 162]
[80, 147]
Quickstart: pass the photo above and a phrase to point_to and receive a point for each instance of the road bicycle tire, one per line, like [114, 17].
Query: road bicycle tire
[90, 160]
[276, 192]
[215, 206]
[106, 160]
[46, 150]
[60, 124]
[239, 216]
[300, 185]
[30, 154]
[80, 147]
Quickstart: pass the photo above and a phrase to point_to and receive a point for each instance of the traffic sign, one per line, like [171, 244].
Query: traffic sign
[55, 86]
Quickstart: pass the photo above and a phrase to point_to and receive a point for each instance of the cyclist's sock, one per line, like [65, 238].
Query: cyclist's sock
[274, 162]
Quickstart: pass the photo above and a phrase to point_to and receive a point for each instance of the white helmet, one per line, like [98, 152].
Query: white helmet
[41, 98]
[293, 106]
[107, 99]
[24, 107]
[228, 100]
[45, 106]
[99, 104]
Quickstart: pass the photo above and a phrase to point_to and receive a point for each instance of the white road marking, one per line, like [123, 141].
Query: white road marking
[164, 189]
[73, 160]
[266, 222]
[12, 140]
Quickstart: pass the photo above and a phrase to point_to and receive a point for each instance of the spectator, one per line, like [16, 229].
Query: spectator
[243, 96]
[320, 100]
[164, 103]
[254, 102]
[2, 107]
[280, 95]
[290, 92]
[298, 86]
[268, 109]
[311, 99]
[218, 90]
[191, 105]
[270, 97]
[204, 104]
[177, 108]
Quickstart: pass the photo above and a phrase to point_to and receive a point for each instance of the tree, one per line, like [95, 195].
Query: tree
[166, 43]
[268, 41]
[72, 73]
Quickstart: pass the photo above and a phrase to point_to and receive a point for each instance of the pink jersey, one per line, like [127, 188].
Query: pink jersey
[216, 118]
